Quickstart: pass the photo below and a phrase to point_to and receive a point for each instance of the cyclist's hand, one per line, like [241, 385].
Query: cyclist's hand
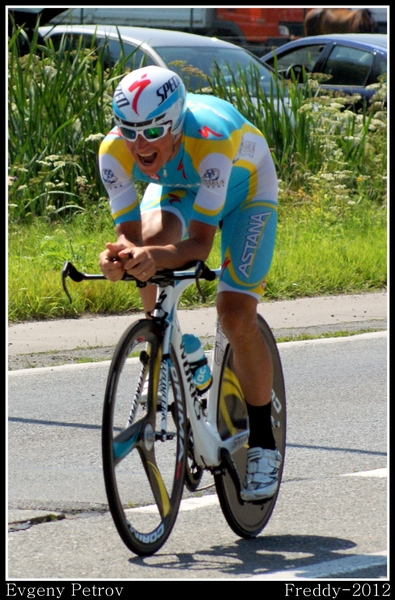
[138, 262]
[110, 263]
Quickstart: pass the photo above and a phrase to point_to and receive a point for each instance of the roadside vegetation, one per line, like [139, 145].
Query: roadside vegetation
[331, 162]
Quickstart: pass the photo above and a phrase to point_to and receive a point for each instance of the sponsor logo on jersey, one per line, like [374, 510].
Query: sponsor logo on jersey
[206, 131]
[174, 198]
[211, 179]
[246, 150]
[181, 168]
[254, 235]
[108, 177]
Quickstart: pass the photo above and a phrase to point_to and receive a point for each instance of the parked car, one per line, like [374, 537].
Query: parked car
[172, 49]
[354, 61]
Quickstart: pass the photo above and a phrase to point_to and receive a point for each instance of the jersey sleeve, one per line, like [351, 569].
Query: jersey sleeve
[214, 170]
[118, 182]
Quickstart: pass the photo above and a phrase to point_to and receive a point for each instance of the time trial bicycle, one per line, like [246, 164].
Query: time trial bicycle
[158, 433]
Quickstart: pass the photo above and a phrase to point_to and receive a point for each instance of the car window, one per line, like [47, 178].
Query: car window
[381, 65]
[348, 66]
[113, 52]
[194, 64]
[304, 55]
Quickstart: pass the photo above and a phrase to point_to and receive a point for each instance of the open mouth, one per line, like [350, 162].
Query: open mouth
[148, 159]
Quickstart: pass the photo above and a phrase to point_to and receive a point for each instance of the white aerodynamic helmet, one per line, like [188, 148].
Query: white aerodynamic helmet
[150, 97]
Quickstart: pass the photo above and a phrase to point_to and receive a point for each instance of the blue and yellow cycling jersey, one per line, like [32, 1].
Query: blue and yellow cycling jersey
[223, 160]
[223, 173]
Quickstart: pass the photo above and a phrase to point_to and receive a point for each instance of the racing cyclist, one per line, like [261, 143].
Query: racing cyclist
[206, 167]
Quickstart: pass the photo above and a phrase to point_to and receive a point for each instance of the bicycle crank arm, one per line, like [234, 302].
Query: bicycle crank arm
[228, 463]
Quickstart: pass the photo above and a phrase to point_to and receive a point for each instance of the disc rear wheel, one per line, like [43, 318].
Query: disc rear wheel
[247, 519]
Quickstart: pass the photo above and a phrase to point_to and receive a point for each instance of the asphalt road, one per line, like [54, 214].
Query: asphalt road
[331, 517]
[330, 520]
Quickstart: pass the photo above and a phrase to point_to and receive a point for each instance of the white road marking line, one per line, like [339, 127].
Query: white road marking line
[187, 504]
[325, 569]
[373, 473]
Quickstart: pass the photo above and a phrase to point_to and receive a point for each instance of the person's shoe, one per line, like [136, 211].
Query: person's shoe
[261, 479]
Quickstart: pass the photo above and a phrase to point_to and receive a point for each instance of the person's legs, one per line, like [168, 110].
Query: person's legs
[253, 366]
[238, 318]
[247, 256]
[252, 360]
[247, 242]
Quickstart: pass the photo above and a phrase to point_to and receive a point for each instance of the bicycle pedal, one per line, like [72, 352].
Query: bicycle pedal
[163, 437]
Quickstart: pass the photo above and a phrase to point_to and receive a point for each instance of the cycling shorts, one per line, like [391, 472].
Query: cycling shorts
[248, 234]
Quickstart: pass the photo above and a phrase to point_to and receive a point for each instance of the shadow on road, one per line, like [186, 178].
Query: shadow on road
[258, 556]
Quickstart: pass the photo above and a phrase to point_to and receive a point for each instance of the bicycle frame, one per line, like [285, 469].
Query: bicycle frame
[208, 444]
[209, 448]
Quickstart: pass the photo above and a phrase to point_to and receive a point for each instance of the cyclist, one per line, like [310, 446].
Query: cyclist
[206, 167]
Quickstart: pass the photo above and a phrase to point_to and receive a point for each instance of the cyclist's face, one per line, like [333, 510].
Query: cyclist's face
[150, 156]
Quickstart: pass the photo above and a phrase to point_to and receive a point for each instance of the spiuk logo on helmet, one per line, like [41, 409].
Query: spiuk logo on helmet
[150, 95]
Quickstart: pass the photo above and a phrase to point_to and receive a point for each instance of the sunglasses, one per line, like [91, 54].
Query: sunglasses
[150, 133]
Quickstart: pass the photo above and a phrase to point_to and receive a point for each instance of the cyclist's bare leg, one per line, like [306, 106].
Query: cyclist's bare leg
[158, 229]
[238, 318]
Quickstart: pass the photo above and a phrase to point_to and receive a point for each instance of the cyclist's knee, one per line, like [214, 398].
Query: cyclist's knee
[160, 227]
[237, 313]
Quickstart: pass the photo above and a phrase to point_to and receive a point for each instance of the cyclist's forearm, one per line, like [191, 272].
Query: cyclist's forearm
[129, 233]
[197, 246]
[176, 255]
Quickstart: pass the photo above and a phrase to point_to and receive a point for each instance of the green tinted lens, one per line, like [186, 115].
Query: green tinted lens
[153, 133]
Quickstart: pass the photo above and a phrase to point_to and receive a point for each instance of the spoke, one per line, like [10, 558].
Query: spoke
[125, 441]
[156, 482]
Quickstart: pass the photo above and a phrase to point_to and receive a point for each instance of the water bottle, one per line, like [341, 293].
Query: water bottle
[197, 360]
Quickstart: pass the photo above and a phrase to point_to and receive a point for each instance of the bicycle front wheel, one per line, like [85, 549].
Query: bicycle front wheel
[144, 459]
[247, 519]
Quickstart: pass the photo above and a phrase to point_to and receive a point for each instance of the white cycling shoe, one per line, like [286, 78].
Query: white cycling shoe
[262, 475]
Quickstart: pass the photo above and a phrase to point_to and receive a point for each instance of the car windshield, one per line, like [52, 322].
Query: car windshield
[194, 64]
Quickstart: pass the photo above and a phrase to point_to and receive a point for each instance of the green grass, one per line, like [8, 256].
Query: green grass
[314, 255]
[331, 163]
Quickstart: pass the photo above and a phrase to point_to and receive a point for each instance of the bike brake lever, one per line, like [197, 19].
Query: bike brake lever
[202, 271]
[69, 270]
[198, 273]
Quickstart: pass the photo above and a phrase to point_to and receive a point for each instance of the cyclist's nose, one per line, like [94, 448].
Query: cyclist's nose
[140, 143]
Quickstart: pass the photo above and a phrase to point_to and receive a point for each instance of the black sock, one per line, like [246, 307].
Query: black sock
[261, 432]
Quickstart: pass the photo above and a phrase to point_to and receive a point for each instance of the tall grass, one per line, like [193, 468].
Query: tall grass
[331, 163]
[59, 109]
[316, 139]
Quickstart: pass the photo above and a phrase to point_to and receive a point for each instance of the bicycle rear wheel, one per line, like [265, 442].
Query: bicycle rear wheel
[247, 519]
[143, 465]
